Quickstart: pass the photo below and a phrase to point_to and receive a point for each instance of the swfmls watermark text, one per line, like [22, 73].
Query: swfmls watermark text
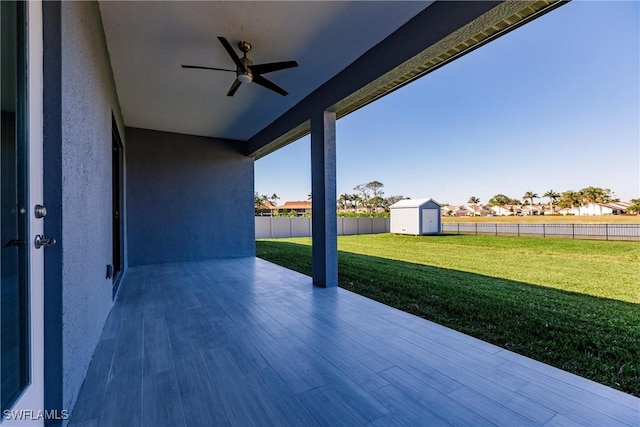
[32, 415]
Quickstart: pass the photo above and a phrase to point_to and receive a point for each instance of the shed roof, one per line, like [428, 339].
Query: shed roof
[413, 203]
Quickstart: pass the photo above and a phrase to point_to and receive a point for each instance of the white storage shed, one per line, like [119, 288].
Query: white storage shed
[416, 217]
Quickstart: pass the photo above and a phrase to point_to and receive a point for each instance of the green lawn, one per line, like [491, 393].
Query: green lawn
[574, 304]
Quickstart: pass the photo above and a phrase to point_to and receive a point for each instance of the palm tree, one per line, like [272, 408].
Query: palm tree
[356, 202]
[530, 195]
[259, 203]
[553, 198]
[343, 202]
[473, 200]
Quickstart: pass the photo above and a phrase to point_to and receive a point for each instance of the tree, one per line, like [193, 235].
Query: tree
[596, 195]
[571, 199]
[370, 195]
[391, 200]
[394, 199]
[635, 206]
[499, 200]
[376, 188]
[356, 202]
[344, 202]
[376, 201]
[530, 195]
[473, 200]
[259, 203]
[553, 199]
[363, 195]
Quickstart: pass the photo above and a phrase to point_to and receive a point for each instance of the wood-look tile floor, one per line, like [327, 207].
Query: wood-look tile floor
[244, 342]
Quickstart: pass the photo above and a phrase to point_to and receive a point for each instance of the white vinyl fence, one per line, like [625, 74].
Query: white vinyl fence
[277, 227]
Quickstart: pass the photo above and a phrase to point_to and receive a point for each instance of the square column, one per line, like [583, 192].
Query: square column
[324, 227]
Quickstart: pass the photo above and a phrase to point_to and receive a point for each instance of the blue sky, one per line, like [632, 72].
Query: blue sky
[554, 105]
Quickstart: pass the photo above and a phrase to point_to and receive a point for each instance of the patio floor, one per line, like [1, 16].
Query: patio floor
[245, 342]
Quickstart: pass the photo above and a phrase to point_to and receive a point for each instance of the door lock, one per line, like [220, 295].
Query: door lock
[39, 211]
[41, 241]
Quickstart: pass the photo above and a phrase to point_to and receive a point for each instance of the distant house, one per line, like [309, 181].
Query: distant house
[479, 210]
[546, 210]
[516, 209]
[619, 208]
[267, 209]
[611, 208]
[462, 211]
[448, 210]
[453, 210]
[501, 211]
[532, 210]
[299, 207]
[508, 210]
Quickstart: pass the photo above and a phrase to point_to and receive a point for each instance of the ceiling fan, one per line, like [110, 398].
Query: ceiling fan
[246, 71]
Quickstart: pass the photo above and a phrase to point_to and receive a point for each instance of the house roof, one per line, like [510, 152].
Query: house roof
[477, 208]
[413, 203]
[295, 205]
[344, 63]
[618, 205]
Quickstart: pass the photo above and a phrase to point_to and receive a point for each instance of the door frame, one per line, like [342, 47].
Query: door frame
[32, 398]
[117, 200]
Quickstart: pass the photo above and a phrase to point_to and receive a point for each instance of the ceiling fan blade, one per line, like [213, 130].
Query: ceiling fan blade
[232, 53]
[234, 87]
[259, 80]
[207, 68]
[272, 66]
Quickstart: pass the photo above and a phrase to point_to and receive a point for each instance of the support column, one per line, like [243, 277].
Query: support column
[323, 189]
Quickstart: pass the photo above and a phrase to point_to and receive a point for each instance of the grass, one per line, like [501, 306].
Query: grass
[550, 219]
[573, 304]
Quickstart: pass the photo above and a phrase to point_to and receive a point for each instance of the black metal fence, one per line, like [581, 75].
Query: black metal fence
[575, 231]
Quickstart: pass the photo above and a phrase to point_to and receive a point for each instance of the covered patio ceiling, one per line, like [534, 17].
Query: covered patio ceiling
[349, 54]
[148, 41]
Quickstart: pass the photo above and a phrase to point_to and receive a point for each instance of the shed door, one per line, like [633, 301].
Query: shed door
[430, 221]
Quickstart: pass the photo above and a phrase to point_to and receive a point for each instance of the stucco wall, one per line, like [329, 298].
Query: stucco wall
[189, 198]
[88, 100]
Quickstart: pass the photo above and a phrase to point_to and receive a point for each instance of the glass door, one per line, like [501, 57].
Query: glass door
[116, 188]
[14, 249]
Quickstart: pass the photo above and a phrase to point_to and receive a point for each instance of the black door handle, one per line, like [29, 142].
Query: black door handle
[41, 241]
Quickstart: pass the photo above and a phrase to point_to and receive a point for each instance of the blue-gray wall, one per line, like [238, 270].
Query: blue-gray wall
[189, 198]
[88, 100]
